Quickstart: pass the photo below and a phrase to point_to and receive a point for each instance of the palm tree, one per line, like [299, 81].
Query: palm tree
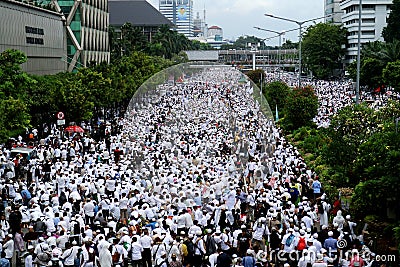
[390, 52]
[372, 49]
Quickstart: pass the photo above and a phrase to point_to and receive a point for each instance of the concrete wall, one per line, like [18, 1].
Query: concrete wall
[37, 32]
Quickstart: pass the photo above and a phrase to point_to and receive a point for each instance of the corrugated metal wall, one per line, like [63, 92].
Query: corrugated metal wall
[48, 54]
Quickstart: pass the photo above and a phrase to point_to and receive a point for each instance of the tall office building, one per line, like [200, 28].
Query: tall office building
[373, 19]
[198, 26]
[332, 9]
[180, 13]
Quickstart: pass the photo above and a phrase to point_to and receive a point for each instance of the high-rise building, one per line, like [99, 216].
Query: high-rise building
[373, 19]
[87, 30]
[180, 13]
[332, 9]
[198, 26]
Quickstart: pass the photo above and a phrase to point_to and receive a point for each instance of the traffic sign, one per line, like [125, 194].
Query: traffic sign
[60, 115]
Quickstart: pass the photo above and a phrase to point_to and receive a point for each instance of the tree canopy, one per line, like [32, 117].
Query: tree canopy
[276, 93]
[301, 106]
[322, 48]
[392, 31]
[165, 43]
[14, 101]
[378, 64]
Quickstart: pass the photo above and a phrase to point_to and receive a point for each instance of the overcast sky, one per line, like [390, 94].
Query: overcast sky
[238, 17]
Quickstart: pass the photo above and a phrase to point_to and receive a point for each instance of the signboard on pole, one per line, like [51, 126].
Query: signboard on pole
[60, 115]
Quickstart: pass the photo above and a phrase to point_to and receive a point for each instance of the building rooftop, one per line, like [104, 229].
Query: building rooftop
[136, 12]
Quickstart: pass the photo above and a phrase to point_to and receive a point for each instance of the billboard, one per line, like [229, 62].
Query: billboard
[183, 12]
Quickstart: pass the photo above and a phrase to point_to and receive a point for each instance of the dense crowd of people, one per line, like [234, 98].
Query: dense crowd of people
[195, 176]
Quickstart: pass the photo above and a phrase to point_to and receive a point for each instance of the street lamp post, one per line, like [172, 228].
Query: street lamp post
[300, 24]
[279, 34]
[253, 49]
[358, 54]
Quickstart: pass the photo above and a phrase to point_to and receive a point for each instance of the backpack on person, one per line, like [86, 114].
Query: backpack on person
[190, 248]
[92, 256]
[197, 246]
[161, 263]
[211, 246]
[77, 260]
[184, 249]
[116, 256]
[320, 207]
[301, 245]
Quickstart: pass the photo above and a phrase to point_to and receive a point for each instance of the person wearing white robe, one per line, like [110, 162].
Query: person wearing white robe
[105, 258]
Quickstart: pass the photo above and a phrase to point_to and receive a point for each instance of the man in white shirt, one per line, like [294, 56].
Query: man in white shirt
[136, 252]
[117, 248]
[8, 248]
[29, 258]
[199, 249]
[88, 209]
[146, 242]
[123, 206]
[110, 186]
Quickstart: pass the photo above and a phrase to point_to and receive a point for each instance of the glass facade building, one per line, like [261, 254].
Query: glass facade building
[87, 31]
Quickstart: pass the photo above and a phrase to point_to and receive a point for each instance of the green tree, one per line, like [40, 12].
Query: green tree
[276, 93]
[391, 75]
[126, 40]
[197, 45]
[77, 100]
[390, 52]
[14, 112]
[372, 49]
[322, 48]
[179, 58]
[392, 30]
[13, 81]
[242, 43]
[349, 129]
[290, 45]
[371, 73]
[42, 97]
[375, 56]
[167, 43]
[256, 76]
[97, 86]
[300, 108]
[14, 117]
[377, 166]
[369, 51]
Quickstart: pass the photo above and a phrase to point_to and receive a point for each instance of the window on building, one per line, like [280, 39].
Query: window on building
[368, 20]
[33, 40]
[368, 7]
[368, 32]
[33, 30]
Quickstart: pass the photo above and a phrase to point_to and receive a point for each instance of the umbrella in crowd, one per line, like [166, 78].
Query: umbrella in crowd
[74, 129]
